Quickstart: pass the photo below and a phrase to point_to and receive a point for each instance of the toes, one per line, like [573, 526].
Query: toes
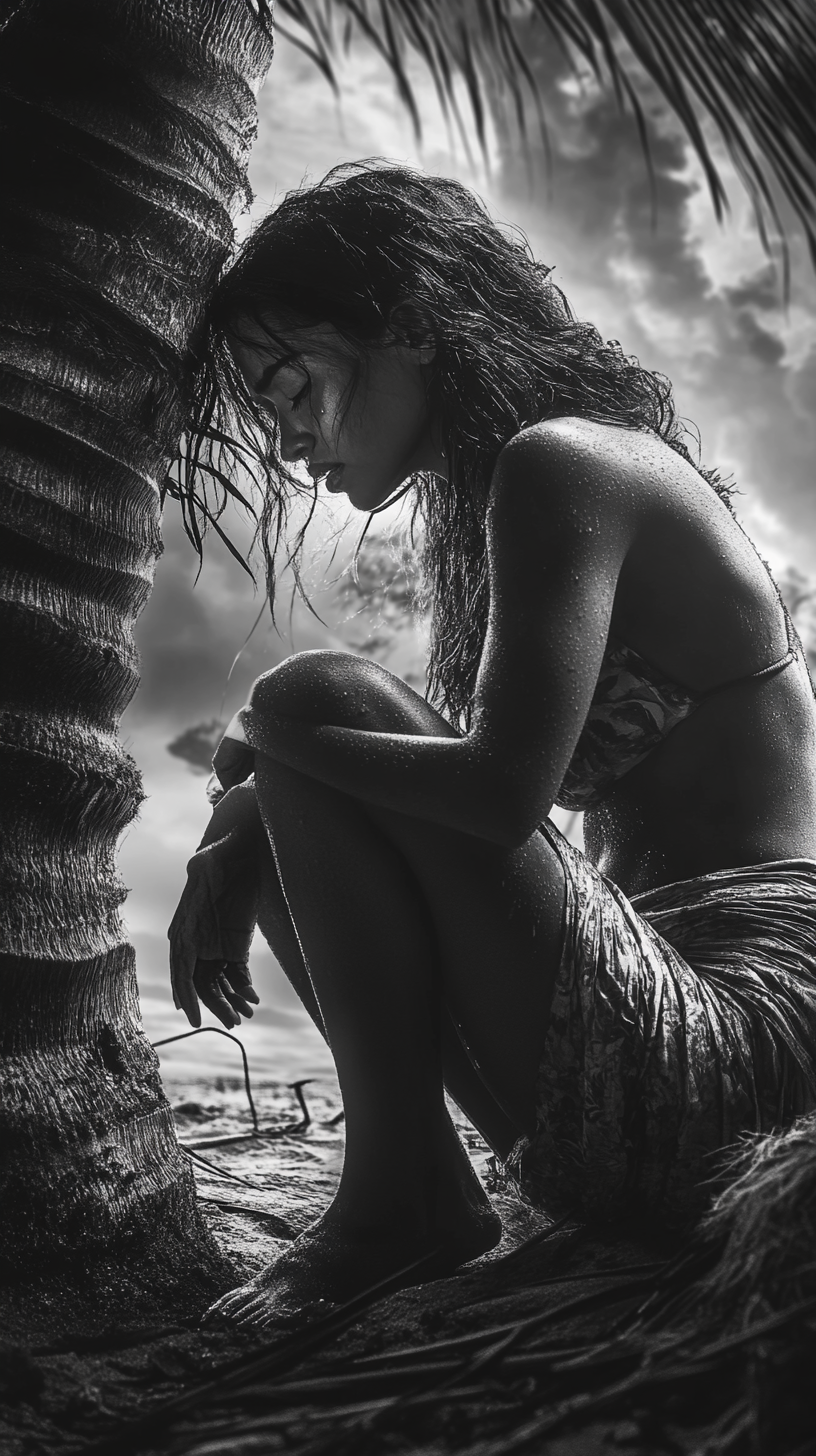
[249, 1320]
[252, 1310]
[224, 1307]
[215, 1313]
[235, 1296]
[246, 1305]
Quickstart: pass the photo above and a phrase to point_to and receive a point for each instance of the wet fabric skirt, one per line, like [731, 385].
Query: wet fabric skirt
[682, 1019]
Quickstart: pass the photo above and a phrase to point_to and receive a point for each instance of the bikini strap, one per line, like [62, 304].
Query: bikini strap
[775, 667]
[763, 672]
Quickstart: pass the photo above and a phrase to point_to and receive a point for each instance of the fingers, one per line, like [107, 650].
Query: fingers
[214, 790]
[240, 1007]
[182, 968]
[239, 989]
[208, 961]
[237, 973]
[185, 997]
[226, 990]
[211, 986]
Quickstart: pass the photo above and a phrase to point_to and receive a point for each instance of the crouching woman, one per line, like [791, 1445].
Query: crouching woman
[604, 638]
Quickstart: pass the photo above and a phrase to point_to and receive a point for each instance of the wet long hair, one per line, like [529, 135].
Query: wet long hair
[375, 248]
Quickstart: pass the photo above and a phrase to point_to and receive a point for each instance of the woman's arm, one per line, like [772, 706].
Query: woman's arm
[212, 929]
[559, 526]
[236, 823]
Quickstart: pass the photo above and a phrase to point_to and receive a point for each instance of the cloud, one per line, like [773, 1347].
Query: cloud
[191, 630]
[801, 388]
[760, 290]
[700, 304]
[304, 131]
[765, 346]
[197, 744]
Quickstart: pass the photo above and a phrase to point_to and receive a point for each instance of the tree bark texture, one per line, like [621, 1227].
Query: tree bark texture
[126, 130]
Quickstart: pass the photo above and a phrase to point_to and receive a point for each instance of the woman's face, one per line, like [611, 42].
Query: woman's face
[365, 442]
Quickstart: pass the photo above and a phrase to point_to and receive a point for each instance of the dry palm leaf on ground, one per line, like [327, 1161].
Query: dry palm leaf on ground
[565, 1339]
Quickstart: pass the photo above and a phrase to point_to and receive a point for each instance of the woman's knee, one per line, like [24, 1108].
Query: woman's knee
[346, 691]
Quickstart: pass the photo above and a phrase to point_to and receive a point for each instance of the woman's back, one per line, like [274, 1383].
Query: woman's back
[734, 782]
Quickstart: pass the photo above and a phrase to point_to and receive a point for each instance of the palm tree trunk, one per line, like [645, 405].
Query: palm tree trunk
[126, 132]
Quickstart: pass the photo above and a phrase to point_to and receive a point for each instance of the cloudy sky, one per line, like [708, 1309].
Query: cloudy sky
[698, 301]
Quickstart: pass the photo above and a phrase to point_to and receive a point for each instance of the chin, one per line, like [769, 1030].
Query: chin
[369, 500]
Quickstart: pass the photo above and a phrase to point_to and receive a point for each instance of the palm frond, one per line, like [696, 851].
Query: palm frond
[747, 66]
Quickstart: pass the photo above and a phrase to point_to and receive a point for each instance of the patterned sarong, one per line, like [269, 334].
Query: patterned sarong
[681, 1019]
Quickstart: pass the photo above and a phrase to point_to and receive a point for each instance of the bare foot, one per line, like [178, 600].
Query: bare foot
[334, 1260]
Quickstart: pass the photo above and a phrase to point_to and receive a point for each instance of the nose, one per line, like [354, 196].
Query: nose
[296, 444]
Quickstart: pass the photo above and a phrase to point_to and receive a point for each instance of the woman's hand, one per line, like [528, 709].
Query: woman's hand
[210, 936]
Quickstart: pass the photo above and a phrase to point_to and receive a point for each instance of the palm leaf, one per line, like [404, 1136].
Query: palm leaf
[746, 66]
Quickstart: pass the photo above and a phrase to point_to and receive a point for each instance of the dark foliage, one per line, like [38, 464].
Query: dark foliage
[748, 66]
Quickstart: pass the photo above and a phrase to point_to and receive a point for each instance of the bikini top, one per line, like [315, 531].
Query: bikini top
[634, 708]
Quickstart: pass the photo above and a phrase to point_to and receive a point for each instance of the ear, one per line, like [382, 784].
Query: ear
[413, 325]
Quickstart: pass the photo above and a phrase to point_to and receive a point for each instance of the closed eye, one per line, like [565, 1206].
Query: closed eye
[300, 396]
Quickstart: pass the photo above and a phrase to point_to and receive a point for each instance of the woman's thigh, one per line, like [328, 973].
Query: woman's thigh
[496, 914]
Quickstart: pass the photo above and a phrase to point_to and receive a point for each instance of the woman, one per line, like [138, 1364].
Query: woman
[604, 637]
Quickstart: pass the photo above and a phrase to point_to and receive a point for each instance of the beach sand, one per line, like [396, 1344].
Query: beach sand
[411, 1372]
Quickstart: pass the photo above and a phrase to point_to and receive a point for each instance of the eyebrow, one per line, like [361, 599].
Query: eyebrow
[265, 379]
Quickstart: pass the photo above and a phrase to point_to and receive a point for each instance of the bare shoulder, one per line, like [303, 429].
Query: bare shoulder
[591, 458]
[570, 433]
[579, 472]
[569, 495]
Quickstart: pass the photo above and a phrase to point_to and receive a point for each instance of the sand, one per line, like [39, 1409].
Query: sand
[453, 1366]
